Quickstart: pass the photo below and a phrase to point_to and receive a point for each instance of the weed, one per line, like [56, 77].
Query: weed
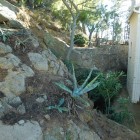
[121, 114]
[4, 35]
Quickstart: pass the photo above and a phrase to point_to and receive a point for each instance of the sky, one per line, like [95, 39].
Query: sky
[123, 9]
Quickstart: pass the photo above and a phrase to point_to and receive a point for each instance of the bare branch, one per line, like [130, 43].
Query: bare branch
[69, 8]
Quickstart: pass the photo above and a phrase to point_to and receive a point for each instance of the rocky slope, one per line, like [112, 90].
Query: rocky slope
[28, 70]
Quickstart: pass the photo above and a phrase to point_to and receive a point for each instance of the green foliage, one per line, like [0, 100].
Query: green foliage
[79, 40]
[77, 90]
[32, 3]
[121, 114]
[108, 89]
[4, 35]
[59, 106]
[64, 17]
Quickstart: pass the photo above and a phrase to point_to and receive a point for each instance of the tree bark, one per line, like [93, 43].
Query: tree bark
[72, 38]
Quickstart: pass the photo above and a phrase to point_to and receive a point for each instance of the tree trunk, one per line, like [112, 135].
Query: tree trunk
[72, 37]
[83, 28]
[97, 40]
[90, 36]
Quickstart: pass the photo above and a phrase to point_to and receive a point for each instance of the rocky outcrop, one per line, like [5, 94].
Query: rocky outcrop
[71, 131]
[38, 61]
[21, 131]
[5, 48]
[8, 14]
[46, 61]
[14, 82]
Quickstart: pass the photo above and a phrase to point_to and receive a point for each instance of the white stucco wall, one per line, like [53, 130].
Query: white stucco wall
[133, 75]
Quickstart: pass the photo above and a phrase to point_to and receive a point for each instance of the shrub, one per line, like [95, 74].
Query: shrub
[108, 89]
[79, 40]
[121, 114]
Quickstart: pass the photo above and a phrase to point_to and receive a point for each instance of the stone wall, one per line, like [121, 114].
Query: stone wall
[103, 58]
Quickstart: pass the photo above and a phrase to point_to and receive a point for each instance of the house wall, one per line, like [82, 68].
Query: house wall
[133, 78]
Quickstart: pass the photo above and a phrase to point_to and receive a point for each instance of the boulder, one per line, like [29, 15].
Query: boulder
[9, 61]
[72, 131]
[5, 48]
[39, 62]
[7, 11]
[48, 62]
[25, 131]
[14, 82]
[56, 66]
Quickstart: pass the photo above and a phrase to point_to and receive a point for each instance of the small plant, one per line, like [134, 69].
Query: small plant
[77, 90]
[4, 36]
[59, 106]
[121, 113]
[79, 40]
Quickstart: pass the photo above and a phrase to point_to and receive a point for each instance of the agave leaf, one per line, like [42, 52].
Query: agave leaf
[62, 86]
[4, 38]
[59, 109]
[61, 102]
[92, 81]
[89, 87]
[64, 109]
[74, 78]
[51, 107]
[85, 82]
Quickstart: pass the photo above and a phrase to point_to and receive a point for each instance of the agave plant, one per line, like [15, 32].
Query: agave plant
[77, 90]
[59, 106]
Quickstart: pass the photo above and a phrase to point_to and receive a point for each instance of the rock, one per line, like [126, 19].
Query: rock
[40, 100]
[38, 61]
[10, 6]
[56, 133]
[56, 66]
[34, 41]
[45, 97]
[47, 117]
[71, 131]
[5, 108]
[81, 132]
[55, 44]
[15, 24]
[21, 109]
[9, 61]
[0, 104]
[26, 131]
[16, 101]
[5, 48]
[14, 83]
[21, 122]
[14, 60]
[7, 11]
[27, 71]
